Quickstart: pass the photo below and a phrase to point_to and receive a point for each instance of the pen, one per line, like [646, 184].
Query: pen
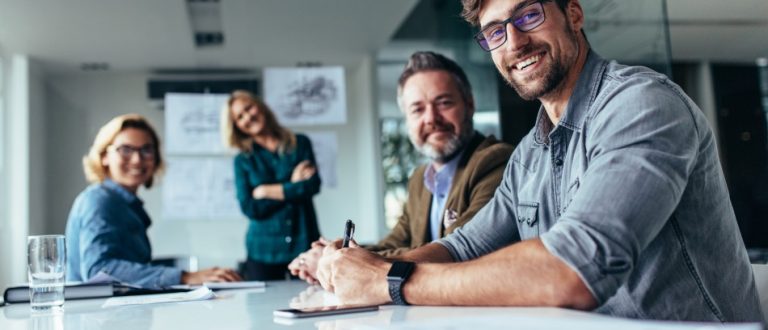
[349, 231]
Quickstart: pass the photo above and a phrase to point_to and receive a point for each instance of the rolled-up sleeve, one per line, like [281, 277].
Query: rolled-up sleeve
[641, 154]
[492, 228]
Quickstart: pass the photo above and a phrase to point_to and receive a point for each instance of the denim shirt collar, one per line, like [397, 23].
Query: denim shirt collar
[124, 194]
[584, 94]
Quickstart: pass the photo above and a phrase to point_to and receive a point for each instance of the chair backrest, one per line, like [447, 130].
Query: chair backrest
[761, 280]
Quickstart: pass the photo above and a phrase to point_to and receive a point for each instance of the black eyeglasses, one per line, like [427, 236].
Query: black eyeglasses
[524, 20]
[146, 151]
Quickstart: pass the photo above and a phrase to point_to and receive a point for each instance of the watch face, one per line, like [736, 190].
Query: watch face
[400, 270]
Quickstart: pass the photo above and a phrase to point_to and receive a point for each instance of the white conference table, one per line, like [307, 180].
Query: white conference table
[252, 309]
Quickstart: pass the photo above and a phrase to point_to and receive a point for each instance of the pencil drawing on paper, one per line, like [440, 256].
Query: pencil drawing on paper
[306, 96]
[312, 96]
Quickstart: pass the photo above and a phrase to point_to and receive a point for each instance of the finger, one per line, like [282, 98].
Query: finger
[303, 165]
[308, 277]
[320, 243]
[323, 278]
[230, 276]
[353, 243]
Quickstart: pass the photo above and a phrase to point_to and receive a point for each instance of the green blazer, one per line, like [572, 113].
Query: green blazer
[478, 174]
[278, 230]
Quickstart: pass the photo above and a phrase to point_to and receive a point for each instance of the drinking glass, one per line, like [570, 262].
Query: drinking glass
[47, 259]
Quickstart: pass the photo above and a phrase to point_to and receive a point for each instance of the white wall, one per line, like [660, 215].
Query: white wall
[24, 158]
[80, 103]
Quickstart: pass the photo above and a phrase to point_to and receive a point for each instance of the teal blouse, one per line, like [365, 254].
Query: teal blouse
[278, 230]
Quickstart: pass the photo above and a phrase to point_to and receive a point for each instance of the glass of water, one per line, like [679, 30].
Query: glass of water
[47, 260]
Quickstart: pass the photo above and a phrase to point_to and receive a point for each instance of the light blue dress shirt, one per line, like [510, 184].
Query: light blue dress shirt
[107, 232]
[439, 184]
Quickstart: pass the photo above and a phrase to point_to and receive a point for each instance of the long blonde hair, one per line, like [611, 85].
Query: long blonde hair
[95, 172]
[235, 138]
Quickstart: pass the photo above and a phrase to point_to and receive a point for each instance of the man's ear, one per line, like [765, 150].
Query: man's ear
[575, 15]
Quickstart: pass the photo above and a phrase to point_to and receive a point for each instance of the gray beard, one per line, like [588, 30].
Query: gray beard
[452, 147]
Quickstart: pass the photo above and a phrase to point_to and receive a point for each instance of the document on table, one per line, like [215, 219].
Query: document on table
[234, 285]
[203, 293]
[537, 323]
[224, 285]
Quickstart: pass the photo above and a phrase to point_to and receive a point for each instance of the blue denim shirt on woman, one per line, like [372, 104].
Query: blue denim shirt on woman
[107, 232]
[627, 189]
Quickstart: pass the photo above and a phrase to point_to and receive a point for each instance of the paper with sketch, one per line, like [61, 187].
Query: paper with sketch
[192, 123]
[306, 96]
[203, 293]
[325, 145]
[200, 188]
[572, 323]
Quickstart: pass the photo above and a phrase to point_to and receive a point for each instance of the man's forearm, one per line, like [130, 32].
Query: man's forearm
[522, 274]
[430, 253]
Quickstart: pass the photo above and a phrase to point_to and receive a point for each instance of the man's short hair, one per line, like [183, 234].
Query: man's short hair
[471, 10]
[431, 61]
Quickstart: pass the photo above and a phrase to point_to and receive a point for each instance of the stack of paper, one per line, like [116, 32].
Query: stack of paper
[202, 293]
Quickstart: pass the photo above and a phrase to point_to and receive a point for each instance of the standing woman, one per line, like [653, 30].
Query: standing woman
[107, 226]
[275, 177]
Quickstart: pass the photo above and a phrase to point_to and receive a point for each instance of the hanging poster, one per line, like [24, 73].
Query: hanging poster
[306, 96]
[199, 188]
[326, 148]
[192, 123]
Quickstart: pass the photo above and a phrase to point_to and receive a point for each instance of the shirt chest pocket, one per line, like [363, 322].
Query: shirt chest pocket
[528, 220]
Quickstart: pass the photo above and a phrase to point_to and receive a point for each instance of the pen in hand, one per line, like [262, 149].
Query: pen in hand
[349, 232]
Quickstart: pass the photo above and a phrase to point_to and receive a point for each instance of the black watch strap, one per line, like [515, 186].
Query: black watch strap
[396, 292]
[396, 277]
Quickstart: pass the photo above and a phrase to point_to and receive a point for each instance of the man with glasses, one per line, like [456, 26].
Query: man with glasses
[614, 202]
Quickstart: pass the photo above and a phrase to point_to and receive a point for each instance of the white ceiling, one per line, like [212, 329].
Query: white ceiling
[141, 35]
[151, 34]
[718, 30]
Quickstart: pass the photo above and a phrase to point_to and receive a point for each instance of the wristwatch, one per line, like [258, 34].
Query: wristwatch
[396, 277]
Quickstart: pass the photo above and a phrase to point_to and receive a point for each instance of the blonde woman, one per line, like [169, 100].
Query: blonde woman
[276, 178]
[107, 226]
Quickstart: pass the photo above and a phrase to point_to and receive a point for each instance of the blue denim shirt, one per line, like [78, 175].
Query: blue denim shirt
[107, 232]
[628, 191]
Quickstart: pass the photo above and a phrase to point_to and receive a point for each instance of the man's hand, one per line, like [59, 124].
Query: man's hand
[214, 274]
[305, 265]
[355, 275]
[303, 171]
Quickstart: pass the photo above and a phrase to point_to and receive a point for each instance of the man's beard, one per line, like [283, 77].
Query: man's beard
[450, 149]
[550, 76]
